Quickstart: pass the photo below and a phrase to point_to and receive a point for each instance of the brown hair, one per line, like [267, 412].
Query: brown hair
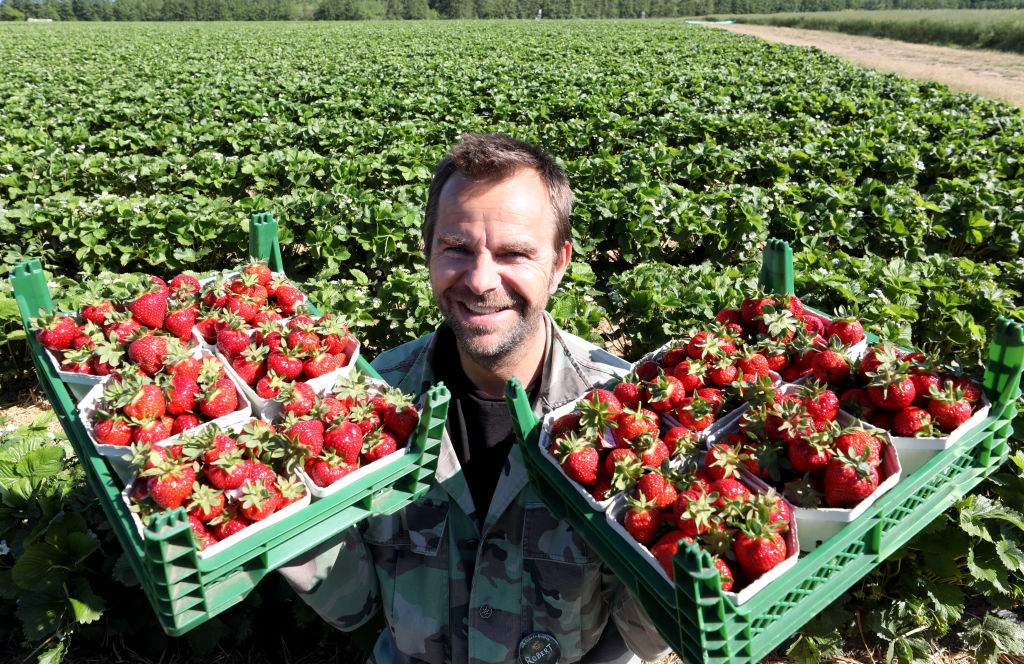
[484, 157]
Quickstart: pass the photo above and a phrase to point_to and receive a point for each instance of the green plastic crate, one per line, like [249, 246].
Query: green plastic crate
[695, 618]
[184, 590]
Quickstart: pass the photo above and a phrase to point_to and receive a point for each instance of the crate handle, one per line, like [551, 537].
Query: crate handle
[524, 421]
[30, 290]
[777, 267]
[1005, 363]
[263, 243]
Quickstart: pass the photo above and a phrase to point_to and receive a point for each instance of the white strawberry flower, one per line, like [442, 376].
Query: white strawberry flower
[4, 549]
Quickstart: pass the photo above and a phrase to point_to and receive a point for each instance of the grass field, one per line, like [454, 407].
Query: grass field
[998, 29]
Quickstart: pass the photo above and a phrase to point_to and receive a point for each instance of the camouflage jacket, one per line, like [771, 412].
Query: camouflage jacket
[453, 592]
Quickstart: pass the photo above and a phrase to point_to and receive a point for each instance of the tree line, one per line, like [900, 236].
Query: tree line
[285, 10]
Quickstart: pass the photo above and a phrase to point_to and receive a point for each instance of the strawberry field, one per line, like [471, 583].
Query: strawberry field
[144, 149]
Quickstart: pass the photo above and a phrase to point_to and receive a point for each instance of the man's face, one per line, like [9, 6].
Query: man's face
[492, 263]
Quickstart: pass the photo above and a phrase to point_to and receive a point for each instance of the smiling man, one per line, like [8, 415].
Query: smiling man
[478, 571]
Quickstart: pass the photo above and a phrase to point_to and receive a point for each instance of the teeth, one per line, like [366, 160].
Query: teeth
[480, 310]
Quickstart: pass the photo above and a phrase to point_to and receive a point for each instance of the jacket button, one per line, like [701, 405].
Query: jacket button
[486, 611]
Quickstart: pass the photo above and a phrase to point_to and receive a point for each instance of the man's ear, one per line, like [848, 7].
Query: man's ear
[562, 258]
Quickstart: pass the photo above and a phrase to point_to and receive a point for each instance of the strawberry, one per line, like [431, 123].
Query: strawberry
[207, 325]
[679, 441]
[231, 338]
[77, 361]
[258, 501]
[180, 319]
[849, 331]
[892, 392]
[579, 459]
[96, 310]
[810, 453]
[288, 296]
[695, 413]
[242, 306]
[346, 440]
[652, 450]
[206, 502]
[297, 397]
[112, 429]
[250, 364]
[853, 441]
[694, 512]
[149, 306]
[169, 483]
[758, 547]
[641, 519]
[690, 374]
[228, 470]
[286, 362]
[820, 402]
[752, 364]
[647, 370]
[320, 363]
[949, 408]
[259, 271]
[55, 331]
[364, 416]
[228, 523]
[307, 432]
[723, 372]
[269, 386]
[848, 480]
[722, 460]
[857, 402]
[657, 487]
[729, 490]
[666, 547]
[141, 399]
[184, 284]
[218, 399]
[150, 430]
[179, 361]
[831, 366]
[912, 421]
[180, 393]
[184, 422]
[725, 574]
[328, 468]
[148, 351]
[379, 443]
[875, 356]
[303, 339]
[628, 393]
[632, 423]
[620, 457]
[399, 416]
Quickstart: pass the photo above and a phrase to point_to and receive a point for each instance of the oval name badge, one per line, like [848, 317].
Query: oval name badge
[539, 648]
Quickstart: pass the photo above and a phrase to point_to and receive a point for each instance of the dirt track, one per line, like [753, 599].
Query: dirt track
[987, 73]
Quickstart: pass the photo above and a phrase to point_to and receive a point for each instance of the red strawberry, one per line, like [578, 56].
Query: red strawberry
[641, 519]
[96, 310]
[912, 421]
[320, 363]
[695, 413]
[141, 399]
[758, 548]
[328, 468]
[820, 402]
[250, 364]
[55, 332]
[853, 441]
[893, 393]
[303, 339]
[831, 366]
[628, 393]
[169, 483]
[378, 444]
[666, 547]
[288, 296]
[184, 284]
[184, 423]
[632, 423]
[949, 408]
[694, 512]
[856, 402]
[579, 459]
[148, 351]
[112, 429]
[180, 394]
[228, 471]
[346, 439]
[849, 331]
[219, 399]
[307, 432]
[722, 460]
[150, 307]
[399, 416]
[297, 397]
[258, 501]
[231, 338]
[655, 486]
[206, 502]
[180, 320]
[849, 480]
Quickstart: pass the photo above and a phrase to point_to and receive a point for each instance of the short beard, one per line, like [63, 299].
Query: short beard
[493, 357]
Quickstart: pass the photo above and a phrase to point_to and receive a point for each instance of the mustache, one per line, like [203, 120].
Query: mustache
[488, 301]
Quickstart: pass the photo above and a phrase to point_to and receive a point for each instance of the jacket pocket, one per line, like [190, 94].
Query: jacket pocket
[562, 583]
[412, 568]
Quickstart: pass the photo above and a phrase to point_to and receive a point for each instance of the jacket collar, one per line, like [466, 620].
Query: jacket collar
[562, 380]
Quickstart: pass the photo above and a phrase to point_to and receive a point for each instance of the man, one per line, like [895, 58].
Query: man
[478, 570]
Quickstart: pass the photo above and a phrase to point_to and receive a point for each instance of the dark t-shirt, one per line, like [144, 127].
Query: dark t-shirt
[480, 426]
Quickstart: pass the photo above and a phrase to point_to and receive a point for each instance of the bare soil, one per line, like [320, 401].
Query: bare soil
[992, 74]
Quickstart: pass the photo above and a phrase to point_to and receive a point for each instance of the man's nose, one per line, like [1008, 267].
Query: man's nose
[482, 275]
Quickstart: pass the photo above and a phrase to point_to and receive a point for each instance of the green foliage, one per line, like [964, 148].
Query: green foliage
[992, 636]
[127, 150]
[992, 25]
